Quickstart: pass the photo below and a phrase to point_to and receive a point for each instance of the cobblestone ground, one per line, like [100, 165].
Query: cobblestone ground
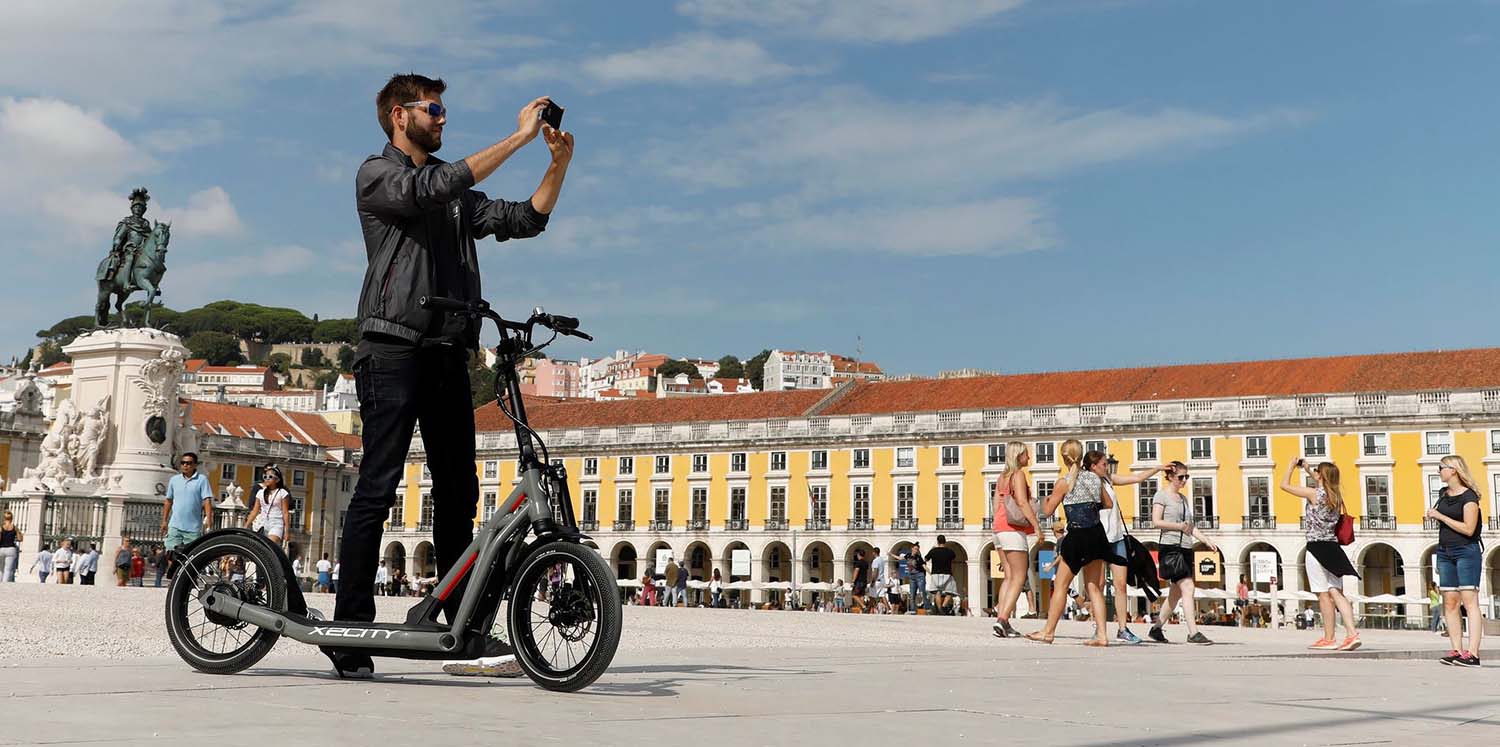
[739, 678]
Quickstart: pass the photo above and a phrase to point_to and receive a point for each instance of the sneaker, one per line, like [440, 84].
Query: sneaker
[1467, 660]
[494, 647]
[1010, 631]
[353, 666]
[1125, 636]
[1451, 658]
[1156, 635]
[999, 631]
[1200, 638]
[499, 666]
[1350, 643]
[1324, 644]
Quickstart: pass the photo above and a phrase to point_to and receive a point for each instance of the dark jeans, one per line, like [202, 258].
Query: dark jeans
[86, 579]
[430, 388]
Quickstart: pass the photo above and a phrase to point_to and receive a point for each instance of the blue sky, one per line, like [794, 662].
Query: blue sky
[1007, 185]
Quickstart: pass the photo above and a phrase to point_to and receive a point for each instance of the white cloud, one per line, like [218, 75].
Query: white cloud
[687, 60]
[125, 57]
[177, 139]
[860, 143]
[1002, 225]
[867, 21]
[207, 213]
[205, 280]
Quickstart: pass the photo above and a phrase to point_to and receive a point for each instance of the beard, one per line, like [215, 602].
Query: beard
[422, 137]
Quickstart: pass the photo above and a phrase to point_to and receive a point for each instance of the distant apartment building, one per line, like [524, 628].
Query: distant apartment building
[543, 377]
[291, 400]
[797, 369]
[202, 381]
[849, 369]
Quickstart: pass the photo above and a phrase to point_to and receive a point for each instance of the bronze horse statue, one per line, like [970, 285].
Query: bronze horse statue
[141, 272]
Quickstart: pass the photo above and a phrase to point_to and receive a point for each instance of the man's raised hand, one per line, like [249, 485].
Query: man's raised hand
[529, 121]
[560, 142]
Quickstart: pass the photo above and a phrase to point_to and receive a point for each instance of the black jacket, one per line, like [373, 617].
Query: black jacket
[414, 217]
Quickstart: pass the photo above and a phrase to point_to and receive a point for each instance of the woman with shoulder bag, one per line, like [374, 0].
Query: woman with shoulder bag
[1015, 520]
[1327, 564]
[1085, 550]
[1172, 513]
[1114, 532]
[269, 514]
[1459, 558]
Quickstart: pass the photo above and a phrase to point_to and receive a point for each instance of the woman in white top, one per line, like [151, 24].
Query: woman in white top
[270, 505]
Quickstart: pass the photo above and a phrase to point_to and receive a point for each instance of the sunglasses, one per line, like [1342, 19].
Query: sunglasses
[433, 109]
[188, 462]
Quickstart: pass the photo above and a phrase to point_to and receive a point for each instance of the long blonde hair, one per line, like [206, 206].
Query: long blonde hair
[1328, 472]
[1013, 453]
[1072, 452]
[1462, 468]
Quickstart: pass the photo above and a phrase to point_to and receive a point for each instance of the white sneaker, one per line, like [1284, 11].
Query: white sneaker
[497, 666]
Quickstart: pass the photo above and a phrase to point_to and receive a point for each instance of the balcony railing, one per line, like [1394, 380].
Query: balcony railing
[1206, 522]
[1429, 524]
[737, 525]
[589, 526]
[424, 526]
[626, 525]
[861, 524]
[908, 523]
[697, 525]
[1260, 521]
[396, 526]
[950, 523]
[1377, 522]
[817, 525]
[661, 525]
[1139, 523]
[1495, 522]
[776, 525]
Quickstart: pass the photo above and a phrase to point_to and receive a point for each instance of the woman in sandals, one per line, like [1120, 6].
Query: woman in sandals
[269, 512]
[1085, 550]
[1327, 564]
[1172, 513]
[1459, 557]
[1015, 523]
[1114, 532]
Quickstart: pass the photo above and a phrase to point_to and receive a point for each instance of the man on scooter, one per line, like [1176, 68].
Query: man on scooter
[420, 217]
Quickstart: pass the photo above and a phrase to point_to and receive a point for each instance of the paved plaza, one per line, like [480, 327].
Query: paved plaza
[92, 665]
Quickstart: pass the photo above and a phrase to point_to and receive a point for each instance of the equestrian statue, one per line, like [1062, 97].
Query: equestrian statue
[137, 260]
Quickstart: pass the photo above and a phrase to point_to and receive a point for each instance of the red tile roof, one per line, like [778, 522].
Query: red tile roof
[194, 365]
[1353, 374]
[271, 424]
[1350, 374]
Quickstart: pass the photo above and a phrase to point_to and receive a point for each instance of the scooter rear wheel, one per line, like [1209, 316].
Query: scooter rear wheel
[564, 616]
[242, 567]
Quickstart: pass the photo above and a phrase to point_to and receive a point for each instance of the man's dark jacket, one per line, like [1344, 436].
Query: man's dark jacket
[413, 215]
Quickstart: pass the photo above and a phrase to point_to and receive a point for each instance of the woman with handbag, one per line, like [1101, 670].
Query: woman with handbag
[1172, 513]
[1459, 557]
[1015, 520]
[1114, 532]
[1085, 550]
[1327, 564]
[269, 513]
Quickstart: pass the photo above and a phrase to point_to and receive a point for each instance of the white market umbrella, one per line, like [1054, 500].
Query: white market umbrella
[1381, 599]
[1208, 593]
[777, 585]
[739, 585]
[1414, 599]
[1305, 596]
[694, 583]
[633, 583]
[819, 586]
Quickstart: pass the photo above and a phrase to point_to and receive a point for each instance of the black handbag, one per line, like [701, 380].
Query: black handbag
[1174, 565]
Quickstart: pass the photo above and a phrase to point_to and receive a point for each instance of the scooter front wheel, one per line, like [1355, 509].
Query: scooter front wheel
[241, 567]
[564, 616]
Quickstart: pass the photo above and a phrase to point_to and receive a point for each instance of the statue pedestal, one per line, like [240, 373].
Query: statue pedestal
[136, 371]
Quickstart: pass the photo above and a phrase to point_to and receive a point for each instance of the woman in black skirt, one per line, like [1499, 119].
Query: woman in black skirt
[1086, 550]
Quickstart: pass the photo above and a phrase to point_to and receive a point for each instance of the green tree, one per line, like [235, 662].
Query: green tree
[346, 358]
[280, 363]
[64, 331]
[326, 379]
[335, 330]
[481, 381]
[673, 367]
[755, 370]
[51, 352]
[312, 357]
[731, 368]
[219, 348]
[26, 362]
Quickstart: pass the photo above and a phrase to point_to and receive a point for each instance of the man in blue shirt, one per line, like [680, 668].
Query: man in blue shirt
[189, 505]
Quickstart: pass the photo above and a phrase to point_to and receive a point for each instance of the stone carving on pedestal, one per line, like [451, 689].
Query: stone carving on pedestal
[70, 451]
[156, 378]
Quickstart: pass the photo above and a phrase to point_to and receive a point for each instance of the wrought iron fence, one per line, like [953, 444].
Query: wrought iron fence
[77, 519]
[17, 508]
[908, 524]
[142, 522]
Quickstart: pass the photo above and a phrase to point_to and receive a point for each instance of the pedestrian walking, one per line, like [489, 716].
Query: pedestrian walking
[1435, 609]
[916, 570]
[158, 562]
[648, 589]
[1120, 546]
[334, 577]
[137, 568]
[1459, 557]
[382, 579]
[268, 515]
[88, 565]
[1172, 513]
[122, 562]
[1086, 550]
[682, 579]
[189, 506]
[940, 574]
[42, 564]
[875, 591]
[325, 574]
[62, 562]
[1326, 564]
[670, 576]
[716, 589]
[861, 583]
[1015, 524]
[1242, 601]
[11, 537]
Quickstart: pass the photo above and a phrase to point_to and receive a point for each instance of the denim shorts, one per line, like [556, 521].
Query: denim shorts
[178, 537]
[1458, 567]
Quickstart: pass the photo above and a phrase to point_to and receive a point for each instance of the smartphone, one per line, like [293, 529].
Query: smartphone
[552, 115]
